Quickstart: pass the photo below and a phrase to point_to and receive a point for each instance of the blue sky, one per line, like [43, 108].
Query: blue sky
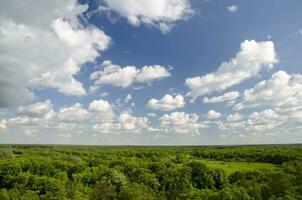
[161, 72]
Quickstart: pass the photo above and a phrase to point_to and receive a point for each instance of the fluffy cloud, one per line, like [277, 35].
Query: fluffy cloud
[229, 96]
[100, 111]
[99, 117]
[44, 48]
[281, 96]
[281, 92]
[114, 75]
[212, 114]
[74, 113]
[129, 122]
[167, 103]
[36, 110]
[161, 14]
[150, 73]
[233, 8]
[181, 122]
[264, 120]
[100, 106]
[125, 122]
[234, 117]
[248, 62]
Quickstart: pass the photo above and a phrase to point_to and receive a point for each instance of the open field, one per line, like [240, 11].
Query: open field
[94, 172]
[232, 167]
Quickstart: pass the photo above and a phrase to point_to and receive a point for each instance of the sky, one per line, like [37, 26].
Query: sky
[160, 72]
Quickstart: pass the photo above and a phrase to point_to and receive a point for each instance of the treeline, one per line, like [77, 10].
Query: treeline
[78, 173]
[275, 155]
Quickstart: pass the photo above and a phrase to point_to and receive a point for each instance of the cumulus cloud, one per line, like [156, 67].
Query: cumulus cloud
[99, 117]
[44, 48]
[125, 122]
[255, 123]
[234, 117]
[167, 103]
[264, 120]
[161, 14]
[281, 92]
[181, 122]
[233, 8]
[74, 113]
[249, 61]
[212, 114]
[99, 106]
[114, 75]
[229, 96]
[150, 73]
[130, 122]
[36, 110]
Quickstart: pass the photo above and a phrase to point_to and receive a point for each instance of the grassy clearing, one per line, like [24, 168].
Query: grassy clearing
[231, 167]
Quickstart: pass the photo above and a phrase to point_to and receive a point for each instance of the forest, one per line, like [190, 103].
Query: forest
[47, 172]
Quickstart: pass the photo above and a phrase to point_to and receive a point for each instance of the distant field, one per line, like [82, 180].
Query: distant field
[231, 167]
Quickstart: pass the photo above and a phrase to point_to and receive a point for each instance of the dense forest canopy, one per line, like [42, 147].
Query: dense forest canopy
[83, 172]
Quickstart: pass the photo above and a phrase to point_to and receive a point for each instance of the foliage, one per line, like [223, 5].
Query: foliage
[146, 173]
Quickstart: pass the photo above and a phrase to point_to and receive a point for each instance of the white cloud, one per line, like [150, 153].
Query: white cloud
[99, 117]
[249, 61]
[36, 110]
[151, 115]
[235, 126]
[100, 106]
[267, 122]
[74, 113]
[234, 117]
[24, 121]
[3, 124]
[130, 122]
[125, 122]
[104, 94]
[167, 103]
[106, 127]
[114, 75]
[281, 92]
[181, 122]
[258, 124]
[233, 8]
[212, 114]
[44, 47]
[117, 76]
[229, 96]
[264, 120]
[128, 98]
[161, 14]
[150, 73]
